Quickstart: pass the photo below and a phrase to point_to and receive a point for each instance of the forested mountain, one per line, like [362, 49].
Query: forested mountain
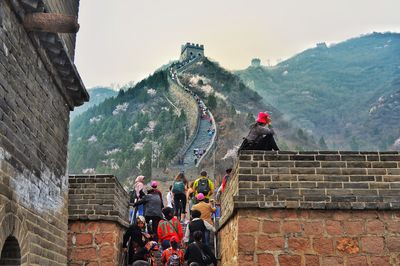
[124, 134]
[347, 93]
[140, 128]
[235, 107]
[97, 96]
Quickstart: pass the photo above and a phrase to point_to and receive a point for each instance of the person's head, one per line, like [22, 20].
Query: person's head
[203, 173]
[139, 178]
[196, 214]
[228, 171]
[141, 222]
[263, 118]
[198, 236]
[154, 184]
[181, 177]
[174, 243]
[168, 213]
[200, 197]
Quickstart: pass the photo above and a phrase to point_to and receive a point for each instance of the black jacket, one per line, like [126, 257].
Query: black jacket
[193, 254]
[131, 236]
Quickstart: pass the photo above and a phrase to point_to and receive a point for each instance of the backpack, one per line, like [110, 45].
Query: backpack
[174, 259]
[203, 186]
[178, 187]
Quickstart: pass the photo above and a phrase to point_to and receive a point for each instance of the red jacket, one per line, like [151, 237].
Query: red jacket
[165, 231]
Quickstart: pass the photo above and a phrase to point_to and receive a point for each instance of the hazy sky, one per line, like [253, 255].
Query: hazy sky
[125, 40]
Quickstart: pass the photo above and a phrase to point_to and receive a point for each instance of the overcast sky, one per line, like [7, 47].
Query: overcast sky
[125, 40]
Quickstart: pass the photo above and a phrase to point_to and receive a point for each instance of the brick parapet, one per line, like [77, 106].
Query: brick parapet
[97, 198]
[316, 180]
[314, 237]
[95, 243]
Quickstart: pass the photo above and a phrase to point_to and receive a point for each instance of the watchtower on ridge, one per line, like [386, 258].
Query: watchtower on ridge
[191, 50]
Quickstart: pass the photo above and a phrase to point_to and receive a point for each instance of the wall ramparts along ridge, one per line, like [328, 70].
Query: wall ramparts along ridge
[34, 118]
[313, 208]
[98, 218]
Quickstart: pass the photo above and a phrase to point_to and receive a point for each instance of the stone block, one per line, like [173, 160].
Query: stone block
[270, 243]
[289, 260]
[323, 245]
[372, 244]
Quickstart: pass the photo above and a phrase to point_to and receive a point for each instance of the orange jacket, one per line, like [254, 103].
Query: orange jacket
[165, 231]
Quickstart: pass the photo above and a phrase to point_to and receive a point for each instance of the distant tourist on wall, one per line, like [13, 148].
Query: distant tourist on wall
[203, 185]
[179, 188]
[261, 136]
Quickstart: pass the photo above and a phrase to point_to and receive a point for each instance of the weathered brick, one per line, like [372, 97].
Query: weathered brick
[84, 239]
[266, 260]
[83, 254]
[313, 228]
[270, 243]
[291, 227]
[248, 225]
[323, 245]
[246, 243]
[271, 227]
[393, 243]
[289, 260]
[311, 260]
[354, 227]
[299, 244]
[372, 244]
[107, 252]
[332, 261]
[375, 227]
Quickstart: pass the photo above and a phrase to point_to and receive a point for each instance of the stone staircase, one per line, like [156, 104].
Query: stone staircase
[200, 138]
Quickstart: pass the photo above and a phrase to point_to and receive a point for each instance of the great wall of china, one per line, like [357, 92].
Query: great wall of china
[280, 208]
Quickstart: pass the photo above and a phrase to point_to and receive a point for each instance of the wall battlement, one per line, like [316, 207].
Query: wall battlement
[191, 50]
[276, 200]
[98, 217]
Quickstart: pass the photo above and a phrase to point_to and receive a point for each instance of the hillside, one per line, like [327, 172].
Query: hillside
[346, 93]
[97, 96]
[235, 107]
[144, 127]
[124, 134]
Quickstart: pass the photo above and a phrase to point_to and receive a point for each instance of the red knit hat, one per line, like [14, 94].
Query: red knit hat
[263, 118]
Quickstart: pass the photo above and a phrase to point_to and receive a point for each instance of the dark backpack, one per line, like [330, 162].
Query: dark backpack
[178, 187]
[203, 186]
[174, 259]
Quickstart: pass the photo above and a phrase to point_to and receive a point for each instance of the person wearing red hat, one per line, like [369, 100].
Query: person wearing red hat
[173, 255]
[260, 137]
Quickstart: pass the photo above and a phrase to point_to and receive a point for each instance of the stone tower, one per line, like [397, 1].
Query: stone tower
[191, 50]
[39, 85]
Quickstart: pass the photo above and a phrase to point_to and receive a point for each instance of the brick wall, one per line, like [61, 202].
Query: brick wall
[94, 243]
[98, 218]
[187, 103]
[33, 148]
[317, 237]
[313, 208]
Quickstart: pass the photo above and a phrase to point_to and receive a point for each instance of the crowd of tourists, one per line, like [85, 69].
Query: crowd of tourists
[182, 230]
